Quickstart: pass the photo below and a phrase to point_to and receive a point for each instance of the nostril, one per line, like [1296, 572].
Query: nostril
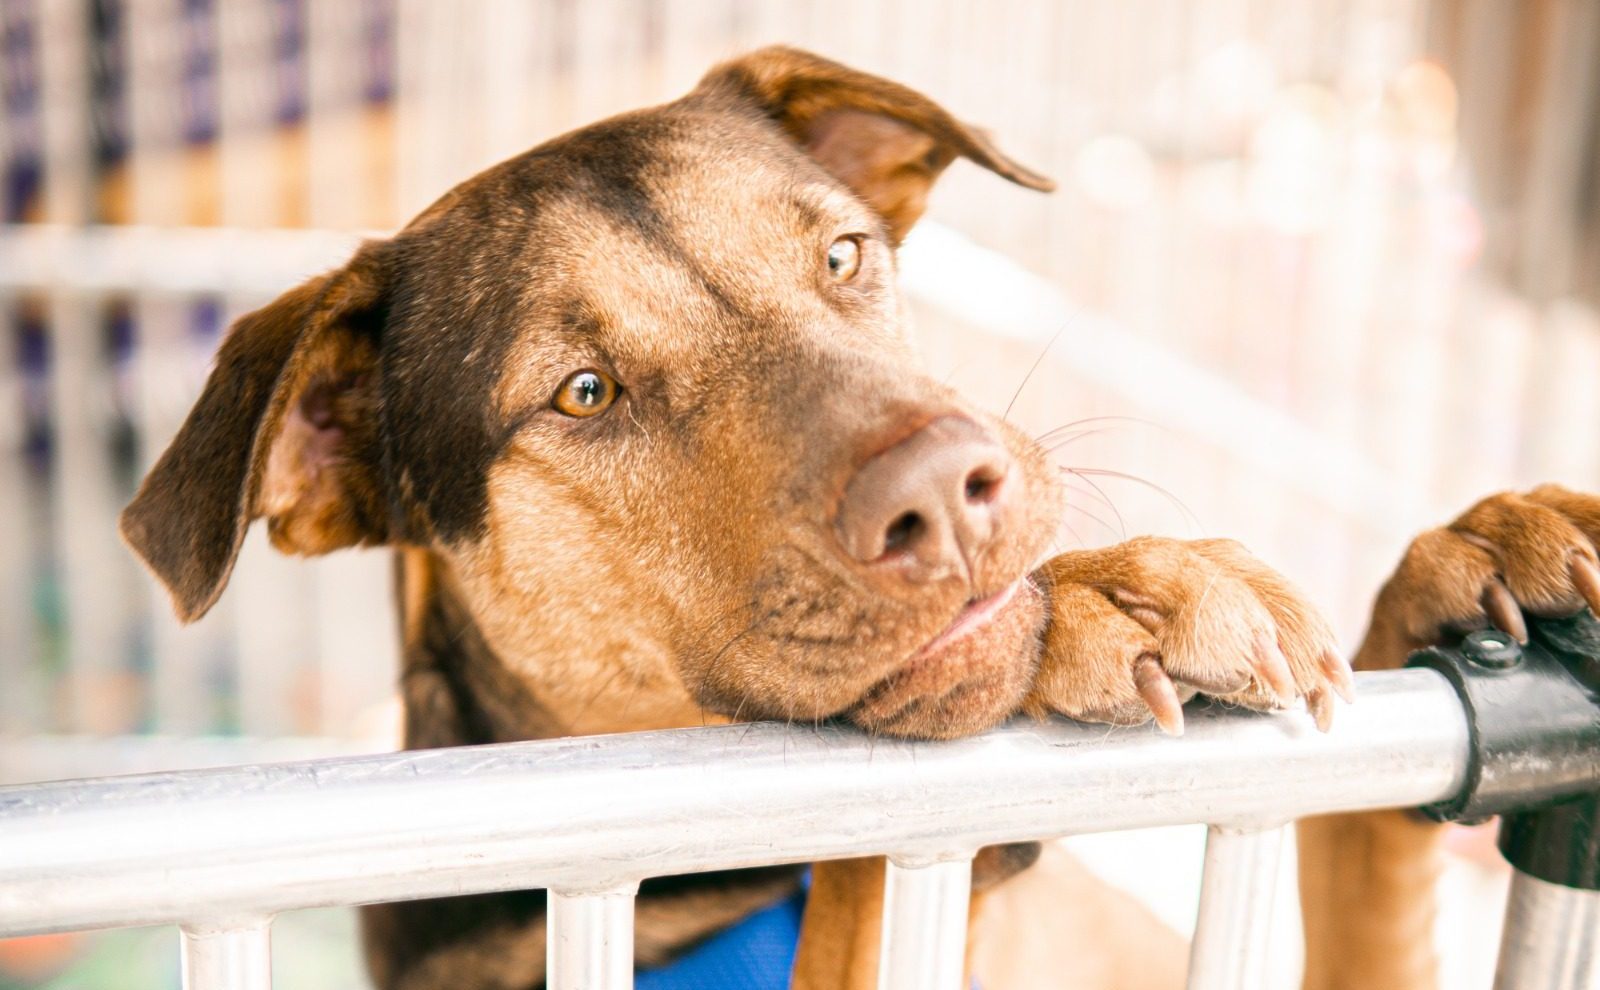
[982, 486]
[903, 531]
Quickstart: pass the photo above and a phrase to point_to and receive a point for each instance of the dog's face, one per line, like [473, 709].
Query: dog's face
[648, 393]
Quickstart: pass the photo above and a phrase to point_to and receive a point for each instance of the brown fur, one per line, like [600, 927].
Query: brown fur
[674, 559]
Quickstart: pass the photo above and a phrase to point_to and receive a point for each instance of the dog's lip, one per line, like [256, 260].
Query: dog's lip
[976, 614]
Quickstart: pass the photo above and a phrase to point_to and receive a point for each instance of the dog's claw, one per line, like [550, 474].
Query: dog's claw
[1586, 576]
[1273, 669]
[1320, 704]
[1504, 611]
[1159, 694]
[1337, 670]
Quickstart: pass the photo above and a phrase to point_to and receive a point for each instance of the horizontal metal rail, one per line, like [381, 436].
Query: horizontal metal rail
[595, 815]
[64, 258]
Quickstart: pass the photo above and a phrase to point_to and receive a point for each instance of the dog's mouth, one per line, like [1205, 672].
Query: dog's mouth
[966, 678]
[977, 613]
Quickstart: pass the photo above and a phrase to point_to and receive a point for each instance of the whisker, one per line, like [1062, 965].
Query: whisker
[1120, 535]
[1034, 367]
[1122, 523]
[1072, 438]
[1082, 543]
[1178, 503]
[1087, 493]
[604, 687]
[1100, 419]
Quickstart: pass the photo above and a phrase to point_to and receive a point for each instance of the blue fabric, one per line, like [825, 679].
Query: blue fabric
[755, 954]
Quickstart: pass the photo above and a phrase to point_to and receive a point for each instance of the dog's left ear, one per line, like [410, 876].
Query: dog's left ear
[885, 141]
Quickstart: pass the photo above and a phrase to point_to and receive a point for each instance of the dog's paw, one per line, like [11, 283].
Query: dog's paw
[1136, 629]
[1508, 554]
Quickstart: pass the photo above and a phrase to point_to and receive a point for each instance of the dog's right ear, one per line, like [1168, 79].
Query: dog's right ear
[285, 428]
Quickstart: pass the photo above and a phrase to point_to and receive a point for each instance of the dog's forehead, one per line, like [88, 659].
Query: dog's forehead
[675, 245]
[718, 198]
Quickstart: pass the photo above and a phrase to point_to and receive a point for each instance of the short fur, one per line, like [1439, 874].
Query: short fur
[674, 560]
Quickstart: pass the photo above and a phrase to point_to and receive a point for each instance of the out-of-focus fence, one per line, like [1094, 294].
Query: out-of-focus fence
[1262, 254]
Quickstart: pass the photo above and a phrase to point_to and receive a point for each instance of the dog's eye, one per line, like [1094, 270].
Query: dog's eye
[586, 393]
[844, 259]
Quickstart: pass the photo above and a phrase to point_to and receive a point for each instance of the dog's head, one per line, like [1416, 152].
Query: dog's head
[647, 393]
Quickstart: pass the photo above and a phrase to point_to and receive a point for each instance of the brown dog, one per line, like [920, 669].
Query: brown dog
[638, 412]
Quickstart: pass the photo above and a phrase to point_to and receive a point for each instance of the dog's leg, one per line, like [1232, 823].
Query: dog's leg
[839, 934]
[1367, 880]
[843, 921]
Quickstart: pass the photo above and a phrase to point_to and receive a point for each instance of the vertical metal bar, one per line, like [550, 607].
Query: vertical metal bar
[254, 180]
[1551, 938]
[18, 664]
[163, 385]
[590, 941]
[506, 42]
[234, 956]
[338, 142]
[1233, 936]
[925, 925]
[21, 704]
[65, 103]
[82, 484]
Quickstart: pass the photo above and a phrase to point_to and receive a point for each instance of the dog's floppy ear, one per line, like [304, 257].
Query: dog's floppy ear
[285, 428]
[883, 140]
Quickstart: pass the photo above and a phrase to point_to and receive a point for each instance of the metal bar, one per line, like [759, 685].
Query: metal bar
[156, 261]
[257, 840]
[1233, 934]
[236, 955]
[162, 390]
[91, 567]
[925, 925]
[27, 758]
[589, 942]
[22, 704]
[1551, 938]
[64, 97]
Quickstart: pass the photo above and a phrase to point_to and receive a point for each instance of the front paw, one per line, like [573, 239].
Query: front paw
[1136, 629]
[1506, 555]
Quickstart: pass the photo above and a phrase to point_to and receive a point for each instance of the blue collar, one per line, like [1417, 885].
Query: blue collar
[755, 954]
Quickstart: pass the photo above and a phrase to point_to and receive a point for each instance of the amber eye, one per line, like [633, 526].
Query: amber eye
[586, 393]
[844, 259]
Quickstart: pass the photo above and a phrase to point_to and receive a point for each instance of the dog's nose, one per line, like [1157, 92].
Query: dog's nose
[929, 505]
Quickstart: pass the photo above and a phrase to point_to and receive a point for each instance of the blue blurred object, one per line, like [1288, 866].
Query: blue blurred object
[755, 954]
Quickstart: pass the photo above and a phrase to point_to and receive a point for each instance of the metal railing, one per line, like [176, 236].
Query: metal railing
[193, 847]
[219, 852]
[1482, 729]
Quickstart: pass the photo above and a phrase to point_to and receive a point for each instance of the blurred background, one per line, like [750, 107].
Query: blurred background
[1319, 274]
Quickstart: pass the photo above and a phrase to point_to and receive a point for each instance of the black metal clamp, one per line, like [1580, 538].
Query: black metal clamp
[1533, 711]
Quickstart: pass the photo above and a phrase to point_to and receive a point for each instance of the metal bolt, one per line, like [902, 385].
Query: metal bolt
[1491, 649]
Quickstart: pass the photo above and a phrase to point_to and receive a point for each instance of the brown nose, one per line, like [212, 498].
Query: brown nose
[930, 504]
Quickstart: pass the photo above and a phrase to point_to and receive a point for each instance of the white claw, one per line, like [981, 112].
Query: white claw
[1320, 704]
[1337, 669]
[1159, 693]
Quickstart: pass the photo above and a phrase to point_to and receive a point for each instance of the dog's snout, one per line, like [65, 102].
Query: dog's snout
[930, 505]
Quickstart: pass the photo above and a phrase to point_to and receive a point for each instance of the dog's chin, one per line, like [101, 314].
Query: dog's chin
[966, 679]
